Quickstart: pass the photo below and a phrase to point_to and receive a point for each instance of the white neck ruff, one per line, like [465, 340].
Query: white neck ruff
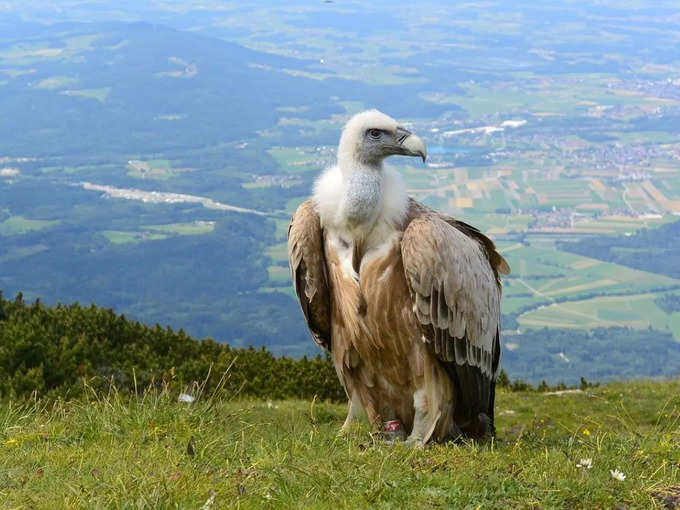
[331, 194]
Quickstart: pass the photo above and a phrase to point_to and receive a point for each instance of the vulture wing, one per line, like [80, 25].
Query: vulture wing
[452, 272]
[308, 270]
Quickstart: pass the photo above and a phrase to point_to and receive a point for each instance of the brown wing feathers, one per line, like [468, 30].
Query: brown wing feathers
[452, 270]
[308, 271]
[455, 290]
[498, 263]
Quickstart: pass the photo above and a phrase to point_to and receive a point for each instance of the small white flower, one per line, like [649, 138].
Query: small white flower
[585, 463]
[267, 496]
[617, 475]
[185, 397]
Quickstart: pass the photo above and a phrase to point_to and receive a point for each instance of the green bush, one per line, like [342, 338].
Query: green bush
[48, 351]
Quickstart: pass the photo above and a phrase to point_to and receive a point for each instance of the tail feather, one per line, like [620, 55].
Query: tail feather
[474, 406]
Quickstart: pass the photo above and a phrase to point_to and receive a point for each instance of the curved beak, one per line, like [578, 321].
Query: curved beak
[410, 144]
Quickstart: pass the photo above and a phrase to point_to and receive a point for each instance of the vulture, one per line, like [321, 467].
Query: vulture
[405, 299]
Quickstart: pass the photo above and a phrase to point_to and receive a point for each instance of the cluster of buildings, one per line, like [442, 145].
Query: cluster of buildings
[668, 88]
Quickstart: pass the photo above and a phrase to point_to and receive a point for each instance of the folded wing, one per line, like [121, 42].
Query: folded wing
[452, 272]
[308, 270]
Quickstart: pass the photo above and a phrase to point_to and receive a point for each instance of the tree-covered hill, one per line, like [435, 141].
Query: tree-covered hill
[50, 350]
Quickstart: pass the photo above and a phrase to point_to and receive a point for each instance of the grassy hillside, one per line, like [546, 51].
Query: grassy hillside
[78, 430]
[106, 451]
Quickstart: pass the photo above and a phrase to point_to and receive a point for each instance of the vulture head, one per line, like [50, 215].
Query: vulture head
[371, 136]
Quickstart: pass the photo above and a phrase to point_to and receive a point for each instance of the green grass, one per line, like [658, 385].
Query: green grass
[125, 237]
[20, 252]
[15, 225]
[154, 452]
[30, 53]
[81, 42]
[278, 252]
[80, 169]
[281, 225]
[293, 203]
[293, 160]
[159, 232]
[184, 229]
[533, 96]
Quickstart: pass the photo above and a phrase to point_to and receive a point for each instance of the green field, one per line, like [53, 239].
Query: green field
[16, 225]
[293, 203]
[123, 237]
[571, 97]
[100, 94]
[15, 253]
[158, 232]
[562, 130]
[279, 274]
[112, 451]
[293, 160]
[56, 82]
[635, 310]
[184, 229]
[160, 169]
[278, 252]
[544, 274]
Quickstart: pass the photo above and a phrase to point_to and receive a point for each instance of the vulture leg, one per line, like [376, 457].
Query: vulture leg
[424, 420]
[353, 413]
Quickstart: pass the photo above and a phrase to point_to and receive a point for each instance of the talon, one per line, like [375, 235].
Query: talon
[415, 442]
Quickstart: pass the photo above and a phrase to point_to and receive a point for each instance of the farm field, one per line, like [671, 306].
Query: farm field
[604, 447]
[17, 225]
[546, 274]
[632, 310]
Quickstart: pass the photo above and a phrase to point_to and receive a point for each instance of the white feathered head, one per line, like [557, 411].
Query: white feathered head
[371, 136]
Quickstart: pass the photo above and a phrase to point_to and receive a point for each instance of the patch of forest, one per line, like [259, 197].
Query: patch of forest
[208, 284]
[600, 354]
[654, 250]
[669, 303]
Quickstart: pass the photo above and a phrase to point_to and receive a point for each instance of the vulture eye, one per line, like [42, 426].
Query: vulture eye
[374, 133]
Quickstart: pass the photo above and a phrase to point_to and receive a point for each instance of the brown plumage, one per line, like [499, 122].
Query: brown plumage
[407, 300]
[306, 256]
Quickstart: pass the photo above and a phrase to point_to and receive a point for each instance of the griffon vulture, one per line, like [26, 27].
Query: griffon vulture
[406, 299]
